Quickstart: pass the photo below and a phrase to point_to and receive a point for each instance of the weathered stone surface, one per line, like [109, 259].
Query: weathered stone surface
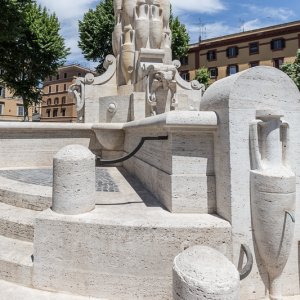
[202, 273]
[73, 180]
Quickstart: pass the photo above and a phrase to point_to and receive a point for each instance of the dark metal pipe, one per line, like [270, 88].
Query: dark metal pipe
[104, 162]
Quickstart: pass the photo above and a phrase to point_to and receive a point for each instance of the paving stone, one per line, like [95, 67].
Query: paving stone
[44, 177]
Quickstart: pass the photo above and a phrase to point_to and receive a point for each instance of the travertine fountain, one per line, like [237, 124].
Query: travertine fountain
[203, 188]
[141, 78]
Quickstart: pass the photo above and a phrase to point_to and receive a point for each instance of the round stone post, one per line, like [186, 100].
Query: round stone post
[73, 180]
[202, 273]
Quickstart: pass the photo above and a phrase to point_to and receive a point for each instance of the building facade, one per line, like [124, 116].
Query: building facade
[57, 105]
[227, 55]
[11, 108]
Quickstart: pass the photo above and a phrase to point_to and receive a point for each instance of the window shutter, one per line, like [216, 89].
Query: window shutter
[227, 52]
[227, 70]
[237, 51]
[272, 45]
[217, 72]
[283, 43]
[207, 55]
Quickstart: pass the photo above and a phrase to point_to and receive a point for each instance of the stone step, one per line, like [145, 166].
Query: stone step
[16, 292]
[24, 195]
[15, 261]
[16, 222]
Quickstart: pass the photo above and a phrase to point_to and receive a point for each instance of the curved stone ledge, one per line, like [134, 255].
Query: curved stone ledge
[178, 119]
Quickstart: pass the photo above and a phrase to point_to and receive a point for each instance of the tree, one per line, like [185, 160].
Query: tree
[32, 50]
[95, 32]
[180, 38]
[293, 69]
[202, 75]
[96, 27]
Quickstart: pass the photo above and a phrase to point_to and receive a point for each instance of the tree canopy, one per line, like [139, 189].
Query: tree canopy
[96, 27]
[31, 49]
[202, 75]
[95, 32]
[293, 69]
[180, 38]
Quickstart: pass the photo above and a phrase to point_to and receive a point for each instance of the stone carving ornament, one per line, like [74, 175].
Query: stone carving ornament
[160, 77]
[273, 195]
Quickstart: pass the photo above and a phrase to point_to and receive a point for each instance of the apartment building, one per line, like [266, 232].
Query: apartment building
[227, 55]
[57, 105]
[11, 108]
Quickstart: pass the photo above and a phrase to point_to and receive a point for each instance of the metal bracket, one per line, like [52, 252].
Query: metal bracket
[104, 162]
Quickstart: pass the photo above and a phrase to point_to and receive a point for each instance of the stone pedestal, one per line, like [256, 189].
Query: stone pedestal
[73, 180]
[202, 273]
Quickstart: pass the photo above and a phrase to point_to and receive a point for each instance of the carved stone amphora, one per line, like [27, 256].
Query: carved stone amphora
[117, 6]
[166, 7]
[156, 27]
[116, 37]
[128, 9]
[273, 195]
[141, 25]
[128, 54]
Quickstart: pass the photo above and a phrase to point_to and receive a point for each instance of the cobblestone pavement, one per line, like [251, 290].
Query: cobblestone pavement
[104, 182]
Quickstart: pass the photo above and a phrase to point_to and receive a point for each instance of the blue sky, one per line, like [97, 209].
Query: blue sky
[210, 18]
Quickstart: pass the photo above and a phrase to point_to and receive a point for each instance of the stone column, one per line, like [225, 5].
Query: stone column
[202, 273]
[73, 180]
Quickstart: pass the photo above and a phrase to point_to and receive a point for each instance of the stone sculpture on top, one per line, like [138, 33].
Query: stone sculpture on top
[142, 62]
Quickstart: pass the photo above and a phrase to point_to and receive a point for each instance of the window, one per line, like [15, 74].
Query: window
[79, 74]
[63, 100]
[55, 112]
[232, 69]
[1, 91]
[49, 101]
[49, 89]
[57, 77]
[278, 44]
[213, 72]
[277, 62]
[1, 108]
[211, 55]
[65, 75]
[184, 60]
[253, 48]
[56, 100]
[56, 88]
[232, 52]
[185, 76]
[20, 110]
[253, 64]
[48, 111]
[65, 87]
[63, 112]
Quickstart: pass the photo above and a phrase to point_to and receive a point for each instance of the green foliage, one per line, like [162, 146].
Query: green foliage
[293, 69]
[31, 49]
[202, 75]
[95, 31]
[180, 38]
[96, 34]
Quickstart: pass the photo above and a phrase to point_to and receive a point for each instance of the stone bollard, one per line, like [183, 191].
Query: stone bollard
[202, 273]
[73, 180]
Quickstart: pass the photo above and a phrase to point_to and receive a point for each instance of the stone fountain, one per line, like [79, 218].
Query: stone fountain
[141, 79]
[211, 193]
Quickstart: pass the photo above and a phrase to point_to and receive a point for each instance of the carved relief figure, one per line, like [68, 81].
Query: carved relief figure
[163, 77]
[273, 195]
